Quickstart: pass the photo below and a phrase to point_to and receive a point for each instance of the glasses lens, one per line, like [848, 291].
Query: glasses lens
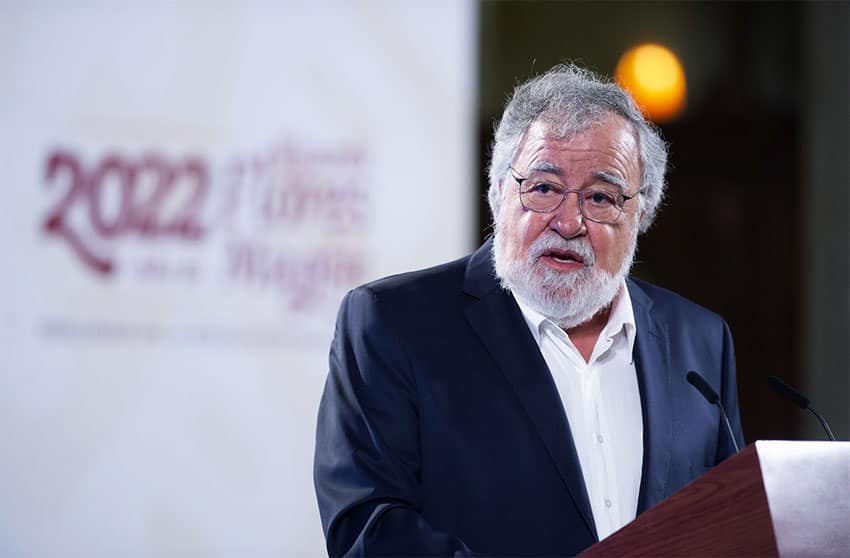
[600, 205]
[540, 195]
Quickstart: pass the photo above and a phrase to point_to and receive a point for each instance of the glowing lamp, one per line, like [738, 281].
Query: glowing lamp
[654, 77]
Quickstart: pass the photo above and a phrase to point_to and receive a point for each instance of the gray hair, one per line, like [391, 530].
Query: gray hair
[570, 99]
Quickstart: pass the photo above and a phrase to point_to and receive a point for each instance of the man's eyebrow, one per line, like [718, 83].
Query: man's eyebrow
[611, 179]
[549, 168]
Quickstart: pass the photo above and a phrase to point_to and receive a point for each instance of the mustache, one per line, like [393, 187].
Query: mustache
[553, 241]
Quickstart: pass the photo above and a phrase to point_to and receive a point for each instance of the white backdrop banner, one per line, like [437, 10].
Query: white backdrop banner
[189, 188]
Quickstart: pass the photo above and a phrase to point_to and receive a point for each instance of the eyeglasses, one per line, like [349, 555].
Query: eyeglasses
[542, 195]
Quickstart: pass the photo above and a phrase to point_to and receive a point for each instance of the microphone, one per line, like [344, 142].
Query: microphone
[798, 399]
[711, 396]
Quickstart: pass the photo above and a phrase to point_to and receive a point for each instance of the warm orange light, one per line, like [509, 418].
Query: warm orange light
[654, 77]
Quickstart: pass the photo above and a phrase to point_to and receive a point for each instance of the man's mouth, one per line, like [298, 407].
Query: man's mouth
[563, 256]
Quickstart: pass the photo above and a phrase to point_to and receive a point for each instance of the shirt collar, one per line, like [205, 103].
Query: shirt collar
[622, 318]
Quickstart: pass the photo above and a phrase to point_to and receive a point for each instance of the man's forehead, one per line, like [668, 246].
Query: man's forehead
[544, 143]
[567, 129]
[611, 129]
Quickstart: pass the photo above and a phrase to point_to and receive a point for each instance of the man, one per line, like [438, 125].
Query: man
[529, 399]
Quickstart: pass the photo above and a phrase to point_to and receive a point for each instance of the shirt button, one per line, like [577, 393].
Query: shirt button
[599, 438]
[607, 503]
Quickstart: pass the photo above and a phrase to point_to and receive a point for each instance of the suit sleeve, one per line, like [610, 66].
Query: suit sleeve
[729, 399]
[367, 465]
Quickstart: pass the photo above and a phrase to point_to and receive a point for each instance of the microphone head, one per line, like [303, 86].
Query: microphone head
[696, 380]
[788, 392]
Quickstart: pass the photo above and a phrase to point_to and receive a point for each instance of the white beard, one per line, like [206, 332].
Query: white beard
[567, 298]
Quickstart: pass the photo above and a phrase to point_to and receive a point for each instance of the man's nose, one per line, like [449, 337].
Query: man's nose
[567, 220]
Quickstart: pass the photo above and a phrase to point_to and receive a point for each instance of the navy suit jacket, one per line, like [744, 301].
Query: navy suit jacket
[441, 431]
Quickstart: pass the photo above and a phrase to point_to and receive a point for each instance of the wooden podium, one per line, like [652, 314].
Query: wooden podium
[772, 499]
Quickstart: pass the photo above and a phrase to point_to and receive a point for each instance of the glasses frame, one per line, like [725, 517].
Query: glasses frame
[623, 199]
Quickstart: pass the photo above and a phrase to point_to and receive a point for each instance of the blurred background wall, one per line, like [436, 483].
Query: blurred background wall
[190, 188]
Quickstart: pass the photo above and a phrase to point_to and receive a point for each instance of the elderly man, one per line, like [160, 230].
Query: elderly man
[529, 399]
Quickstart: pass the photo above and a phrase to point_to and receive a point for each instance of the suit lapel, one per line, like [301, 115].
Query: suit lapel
[498, 321]
[652, 364]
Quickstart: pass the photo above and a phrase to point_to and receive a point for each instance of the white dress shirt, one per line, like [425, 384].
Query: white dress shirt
[602, 402]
